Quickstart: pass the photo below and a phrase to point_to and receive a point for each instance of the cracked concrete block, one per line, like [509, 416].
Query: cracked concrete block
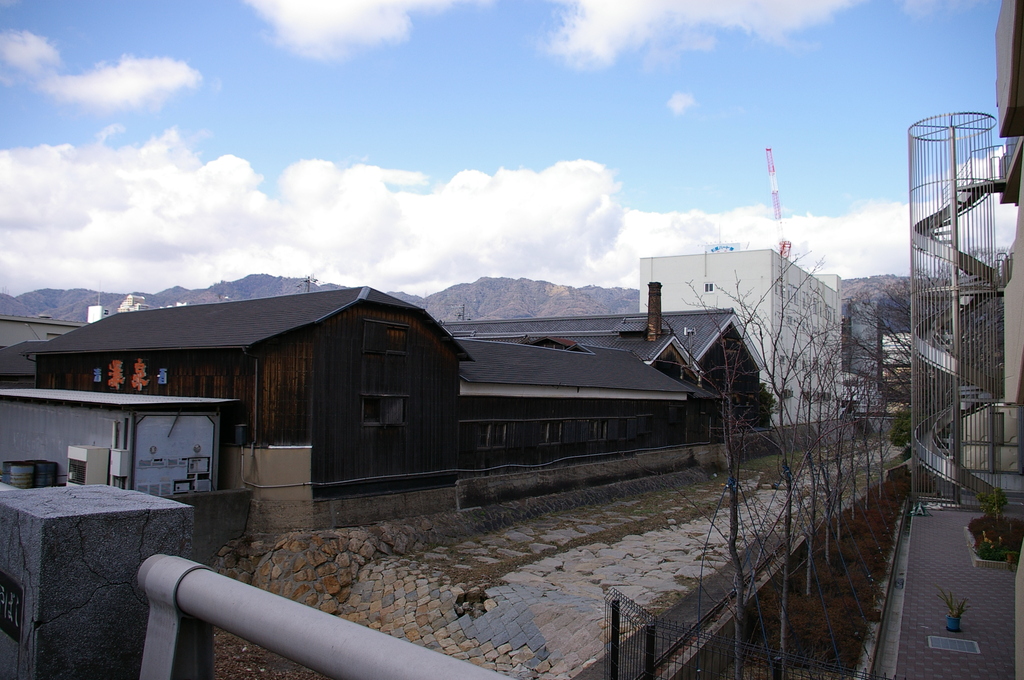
[74, 552]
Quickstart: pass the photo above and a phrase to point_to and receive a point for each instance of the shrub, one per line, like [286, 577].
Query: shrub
[846, 593]
[899, 432]
[992, 504]
[995, 538]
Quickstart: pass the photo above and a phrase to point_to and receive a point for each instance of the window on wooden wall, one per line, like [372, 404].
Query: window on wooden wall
[383, 410]
[551, 432]
[385, 338]
[491, 435]
[644, 424]
[598, 429]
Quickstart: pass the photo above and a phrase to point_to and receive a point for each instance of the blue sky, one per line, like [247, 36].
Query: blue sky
[413, 144]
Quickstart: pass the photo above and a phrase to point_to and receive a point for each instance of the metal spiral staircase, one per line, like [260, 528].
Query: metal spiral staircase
[956, 306]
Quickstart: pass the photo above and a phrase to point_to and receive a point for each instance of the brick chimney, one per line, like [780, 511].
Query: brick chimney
[653, 310]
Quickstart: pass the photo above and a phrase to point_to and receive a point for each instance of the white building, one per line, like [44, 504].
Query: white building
[132, 303]
[792, 317]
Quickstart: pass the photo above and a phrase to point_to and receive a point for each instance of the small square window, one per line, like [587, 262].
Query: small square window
[709, 288]
[383, 410]
[552, 433]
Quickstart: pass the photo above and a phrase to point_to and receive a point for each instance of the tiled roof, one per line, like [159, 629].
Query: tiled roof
[226, 324]
[13, 360]
[600, 367]
[618, 331]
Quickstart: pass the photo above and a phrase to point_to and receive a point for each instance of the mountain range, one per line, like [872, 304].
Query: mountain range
[485, 298]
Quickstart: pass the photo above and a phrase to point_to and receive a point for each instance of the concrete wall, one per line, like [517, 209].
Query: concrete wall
[1018, 630]
[277, 516]
[1013, 322]
[220, 516]
[15, 329]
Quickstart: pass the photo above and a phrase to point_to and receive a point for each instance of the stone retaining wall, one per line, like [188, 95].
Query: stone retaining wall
[359, 573]
[278, 516]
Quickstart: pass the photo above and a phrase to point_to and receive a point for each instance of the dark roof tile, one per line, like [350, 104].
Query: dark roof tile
[226, 324]
[13, 361]
[618, 331]
[599, 367]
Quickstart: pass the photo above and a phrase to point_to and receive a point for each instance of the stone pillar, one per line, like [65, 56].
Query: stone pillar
[70, 606]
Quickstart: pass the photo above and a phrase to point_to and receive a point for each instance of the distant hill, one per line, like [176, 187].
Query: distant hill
[871, 287]
[487, 298]
[502, 298]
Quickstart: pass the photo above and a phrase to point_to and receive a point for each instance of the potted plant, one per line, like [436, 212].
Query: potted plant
[954, 609]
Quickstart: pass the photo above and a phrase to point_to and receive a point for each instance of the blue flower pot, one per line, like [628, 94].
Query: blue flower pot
[953, 624]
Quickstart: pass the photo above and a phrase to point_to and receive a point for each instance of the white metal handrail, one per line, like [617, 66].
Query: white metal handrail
[186, 599]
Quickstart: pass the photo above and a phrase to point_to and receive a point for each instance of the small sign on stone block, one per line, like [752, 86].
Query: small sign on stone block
[11, 606]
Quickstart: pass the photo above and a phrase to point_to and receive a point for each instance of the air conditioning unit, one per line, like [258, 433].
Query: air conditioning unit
[88, 465]
[120, 467]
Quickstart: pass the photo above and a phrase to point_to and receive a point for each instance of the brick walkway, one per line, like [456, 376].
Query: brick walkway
[939, 556]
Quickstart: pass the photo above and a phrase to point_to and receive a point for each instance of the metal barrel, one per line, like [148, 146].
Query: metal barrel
[45, 474]
[22, 474]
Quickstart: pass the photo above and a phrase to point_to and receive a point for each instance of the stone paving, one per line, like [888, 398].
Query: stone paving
[546, 620]
[939, 557]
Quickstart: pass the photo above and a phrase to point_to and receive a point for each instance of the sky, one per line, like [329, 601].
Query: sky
[415, 144]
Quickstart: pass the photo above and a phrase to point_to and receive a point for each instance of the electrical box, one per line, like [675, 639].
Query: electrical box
[88, 465]
[120, 467]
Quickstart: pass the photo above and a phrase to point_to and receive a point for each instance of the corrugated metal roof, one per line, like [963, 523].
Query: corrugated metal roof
[108, 399]
[600, 367]
[226, 324]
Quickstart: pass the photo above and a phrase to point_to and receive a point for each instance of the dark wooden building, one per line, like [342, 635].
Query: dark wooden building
[358, 386]
[526, 406]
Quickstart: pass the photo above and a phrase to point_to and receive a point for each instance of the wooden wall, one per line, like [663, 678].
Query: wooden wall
[360, 357]
[501, 431]
[215, 373]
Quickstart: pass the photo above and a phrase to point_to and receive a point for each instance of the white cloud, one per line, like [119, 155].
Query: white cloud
[595, 32]
[680, 102]
[27, 53]
[132, 83]
[327, 29]
[153, 216]
[109, 131]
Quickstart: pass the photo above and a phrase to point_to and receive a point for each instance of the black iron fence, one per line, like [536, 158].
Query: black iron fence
[643, 647]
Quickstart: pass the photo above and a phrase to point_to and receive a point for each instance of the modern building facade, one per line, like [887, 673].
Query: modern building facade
[15, 329]
[790, 317]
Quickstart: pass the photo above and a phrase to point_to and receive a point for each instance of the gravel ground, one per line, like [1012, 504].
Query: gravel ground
[237, 658]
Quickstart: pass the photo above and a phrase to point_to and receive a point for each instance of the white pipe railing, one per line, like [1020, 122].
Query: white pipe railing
[187, 599]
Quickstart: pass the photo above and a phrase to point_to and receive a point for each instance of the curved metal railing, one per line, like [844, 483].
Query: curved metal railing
[956, 312]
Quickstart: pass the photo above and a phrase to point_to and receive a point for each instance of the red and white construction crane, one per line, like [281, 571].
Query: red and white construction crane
[784, 245]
